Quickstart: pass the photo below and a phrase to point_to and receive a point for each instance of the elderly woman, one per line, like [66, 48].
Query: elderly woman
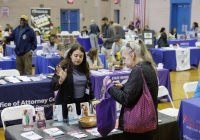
[136, 57]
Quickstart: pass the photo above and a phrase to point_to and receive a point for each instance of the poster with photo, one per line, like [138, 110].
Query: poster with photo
[72, 115]
[148, 41]
[40, 117]
[40, 21]
[27, 120]
[148, 35]
[84, 109]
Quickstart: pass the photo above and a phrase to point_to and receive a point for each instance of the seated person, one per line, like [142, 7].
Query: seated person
[130, 25]
[173, 34]
[146, 28]
[195, 28]
[132, 31]
[50, 47]
[116, 47]
[63, 50]
[84, 30]
[93, 60]
[37, 33]
[197, 92]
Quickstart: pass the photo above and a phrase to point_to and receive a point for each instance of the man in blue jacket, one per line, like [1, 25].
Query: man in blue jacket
[26, 42]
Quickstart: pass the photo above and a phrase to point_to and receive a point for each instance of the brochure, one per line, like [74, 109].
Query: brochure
[72, 115]
[53, 132]
[77, 134]
[23, 78]
[40, 118]
[31, 135]
[118, 108]
[84, 109]
[2, 82]
[93, 106]
[27, 120]
[94, 131]
[57, 113]
[12, 79]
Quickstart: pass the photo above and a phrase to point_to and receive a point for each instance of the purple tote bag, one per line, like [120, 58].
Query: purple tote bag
[141, 117]
[106, 114]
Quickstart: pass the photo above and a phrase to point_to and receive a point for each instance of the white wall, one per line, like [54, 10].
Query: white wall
[158, 14]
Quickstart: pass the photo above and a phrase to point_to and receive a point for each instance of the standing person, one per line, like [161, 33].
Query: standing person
[162, 41]
[26, 42]
[94, 31]
[137, 23]
[50, 47]
[119, 30]
[116, 47]
[136, 57]
[72, 79]
[109, 33]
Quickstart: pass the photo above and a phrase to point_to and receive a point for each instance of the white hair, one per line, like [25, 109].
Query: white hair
[92, 21]
[140, 50]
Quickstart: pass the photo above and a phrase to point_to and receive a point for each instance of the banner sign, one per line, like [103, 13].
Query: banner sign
[40, 20]
[5, 11]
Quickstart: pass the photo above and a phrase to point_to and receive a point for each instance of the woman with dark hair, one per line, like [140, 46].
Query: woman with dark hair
[195, 28]
[72, 79]
[173, 34]
[146, 28]
[131, 25]
[93, 60]
[162, 41]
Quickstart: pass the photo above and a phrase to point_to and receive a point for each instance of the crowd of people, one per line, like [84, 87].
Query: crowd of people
[72, 74]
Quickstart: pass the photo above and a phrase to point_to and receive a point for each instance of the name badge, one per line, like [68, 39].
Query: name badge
[87, 90]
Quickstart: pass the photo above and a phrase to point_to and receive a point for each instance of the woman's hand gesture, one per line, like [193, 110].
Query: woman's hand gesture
[62, 73]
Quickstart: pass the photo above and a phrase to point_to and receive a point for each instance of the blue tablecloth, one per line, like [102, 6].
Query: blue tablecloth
[34, 93]
[42, 63]
[85, 42]
[10, 50]
[8, 64]
[97, 81]
[182, 43]
[168, 57]
[189, 119]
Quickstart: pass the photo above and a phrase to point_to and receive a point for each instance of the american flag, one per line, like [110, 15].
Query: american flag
[139, 11]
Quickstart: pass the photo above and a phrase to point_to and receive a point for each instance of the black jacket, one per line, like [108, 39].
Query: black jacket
[131, 92]
[66, 91]
[162, 41]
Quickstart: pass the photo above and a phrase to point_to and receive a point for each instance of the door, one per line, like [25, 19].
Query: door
[116, 16]
[69, 20]
[181, 17]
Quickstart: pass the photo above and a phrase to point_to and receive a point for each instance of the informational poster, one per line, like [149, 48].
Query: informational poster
[40, 21]
[182, 59]
[5, 11]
